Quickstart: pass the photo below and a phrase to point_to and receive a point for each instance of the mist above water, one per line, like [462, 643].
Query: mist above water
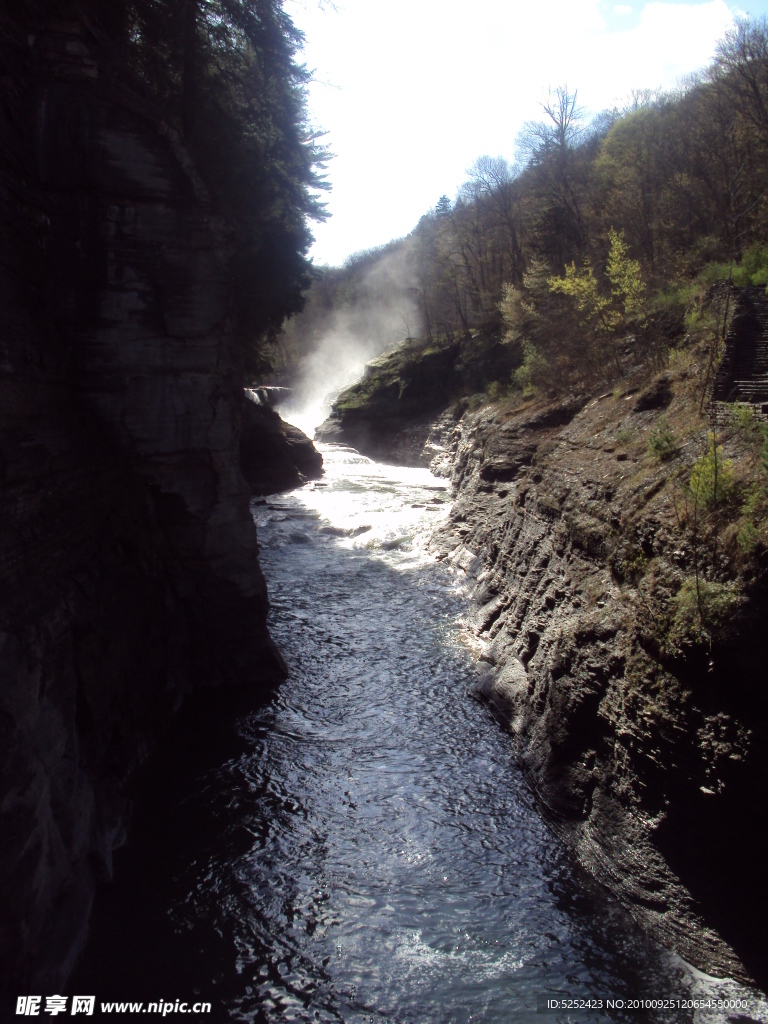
[382, 313]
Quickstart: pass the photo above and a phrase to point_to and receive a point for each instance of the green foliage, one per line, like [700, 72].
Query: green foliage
[635, 565]
[581, 285]
[754, 264]
[712, 477]
[706, 323]
[702, 610]
[743, 419]
[675, 294]
[751, 270]
[626, 299]
[496, 390]
[512, 309]
[754, 507]
[749, 537]
[629, 220]
[661, 443]
[627, 285]
[523, 307]
[679, 359]
[534, 370]
[624, 435]
[699, 320]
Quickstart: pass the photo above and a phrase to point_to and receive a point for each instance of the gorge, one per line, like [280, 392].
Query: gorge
[366, 848]
[313, 801]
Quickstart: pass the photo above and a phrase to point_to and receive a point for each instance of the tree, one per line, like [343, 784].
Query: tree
[561, 129]
[550, 147]
[492, 181]
[225, 74]
[626, 278]
[605, 313]
[742, 57]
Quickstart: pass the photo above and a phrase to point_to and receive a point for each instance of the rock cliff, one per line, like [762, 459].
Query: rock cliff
[388, 414]
[648, 755]
[130, 572]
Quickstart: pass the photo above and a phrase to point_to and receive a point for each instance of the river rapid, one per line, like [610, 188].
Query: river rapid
[367, 850]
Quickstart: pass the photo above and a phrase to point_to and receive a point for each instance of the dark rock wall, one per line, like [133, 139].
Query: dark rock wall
[128, 551]
[653, 769]
[274, 455]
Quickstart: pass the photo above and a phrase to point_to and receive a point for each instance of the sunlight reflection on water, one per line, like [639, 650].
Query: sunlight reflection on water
[419, 881]
[381, 508]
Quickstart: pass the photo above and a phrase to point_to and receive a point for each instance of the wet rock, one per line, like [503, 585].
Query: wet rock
[274, 455]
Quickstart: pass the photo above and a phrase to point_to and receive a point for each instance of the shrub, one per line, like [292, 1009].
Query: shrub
[749, 537]
[753, 509]
[496, 390]
[712, 476]
[743, 418]
[679, 358]
[661, 443]
[753, 268]
[702, 610]
[534, 369]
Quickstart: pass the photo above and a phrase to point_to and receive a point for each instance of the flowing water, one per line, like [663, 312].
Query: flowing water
[369, 852]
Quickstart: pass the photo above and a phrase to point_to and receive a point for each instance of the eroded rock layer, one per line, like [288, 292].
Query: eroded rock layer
[648, 755]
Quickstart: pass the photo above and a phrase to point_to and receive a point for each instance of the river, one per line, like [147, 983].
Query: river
[367, 850]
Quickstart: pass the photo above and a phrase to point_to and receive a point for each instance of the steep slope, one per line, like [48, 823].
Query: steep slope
[644, 739]
[388, 414]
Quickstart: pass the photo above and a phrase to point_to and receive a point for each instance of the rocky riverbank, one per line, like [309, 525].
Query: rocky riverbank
[640, 725]
[388, 415]
[129, 554]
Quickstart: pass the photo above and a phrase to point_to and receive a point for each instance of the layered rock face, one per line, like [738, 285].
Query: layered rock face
[129, 553]
[650, 762]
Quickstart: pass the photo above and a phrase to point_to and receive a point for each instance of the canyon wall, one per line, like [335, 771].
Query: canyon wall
[129, 554]
[644, 743]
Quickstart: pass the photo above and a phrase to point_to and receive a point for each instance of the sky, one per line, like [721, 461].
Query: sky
[412, 92]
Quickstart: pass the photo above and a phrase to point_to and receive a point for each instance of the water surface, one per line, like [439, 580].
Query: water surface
[369, 852]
